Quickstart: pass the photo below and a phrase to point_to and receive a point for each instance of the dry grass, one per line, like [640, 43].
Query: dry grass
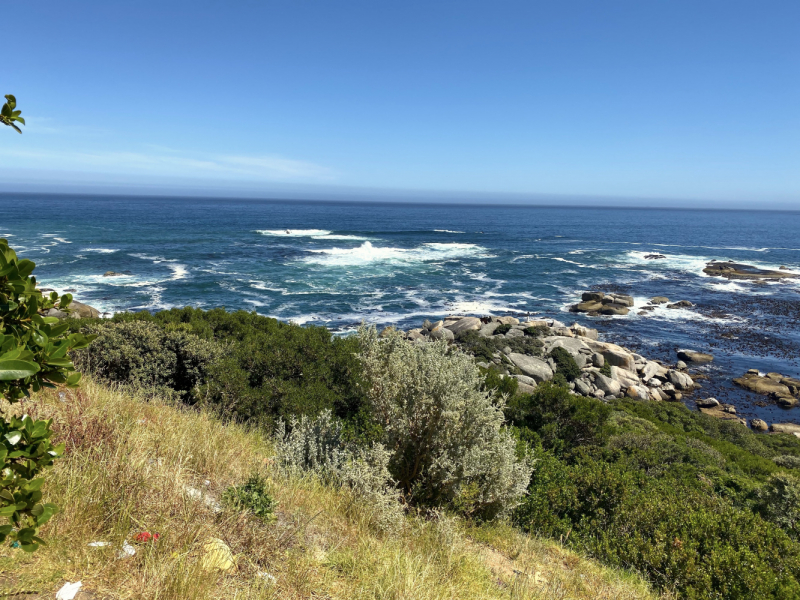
[126, 470]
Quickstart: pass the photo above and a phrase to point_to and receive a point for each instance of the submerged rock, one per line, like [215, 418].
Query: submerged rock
[731, 270]
[694, 356]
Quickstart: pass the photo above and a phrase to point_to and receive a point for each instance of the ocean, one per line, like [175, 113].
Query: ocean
[336, 264]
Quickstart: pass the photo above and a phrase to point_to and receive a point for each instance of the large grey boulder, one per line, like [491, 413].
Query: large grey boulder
[465, 324]
[571, 345]
[515, 333]
[532, 366]
[592, 296]
[707, 403]
[443, 334]
[649, 370]
[624, 377]
[488, 329]
[506, 320]
[582, 331]
[608, 386]
[583, 387]
[680, 380]
[785, 428]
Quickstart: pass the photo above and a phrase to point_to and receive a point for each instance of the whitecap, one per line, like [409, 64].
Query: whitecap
[366, 254]
[100, 250]
[447, 231]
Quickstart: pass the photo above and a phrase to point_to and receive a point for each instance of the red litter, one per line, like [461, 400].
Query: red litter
[146, 536]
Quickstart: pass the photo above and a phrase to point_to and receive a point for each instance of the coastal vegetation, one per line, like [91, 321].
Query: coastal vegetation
[443, 468]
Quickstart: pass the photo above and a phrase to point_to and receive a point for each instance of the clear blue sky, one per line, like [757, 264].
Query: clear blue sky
[670, 99]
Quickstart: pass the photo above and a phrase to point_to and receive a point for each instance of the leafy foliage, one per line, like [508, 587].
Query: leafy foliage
[483, 348]
[502, 329]
[249, 367]
[252, 496]
[565, 364]
[444, 435]
[690, 500]
[9, 115]
[33, 355]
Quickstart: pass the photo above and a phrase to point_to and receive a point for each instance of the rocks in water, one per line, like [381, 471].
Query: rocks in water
[759, 425]
[694, 356]
[464, 324]
[680, 304]
[787, 401]
[604, 304]
[592, 296]
[733, 271]
[654, 256]
[764, 385]
[112, 274]
[531, 366]
[707, 403]
[659, 300]
[614, 309]
[680, 365]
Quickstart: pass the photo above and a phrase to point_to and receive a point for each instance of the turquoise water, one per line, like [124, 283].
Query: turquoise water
[398, 264]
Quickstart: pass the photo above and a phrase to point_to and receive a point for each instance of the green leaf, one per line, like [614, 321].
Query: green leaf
[34, 485]
[17, 369]
[25, 267]
[20, 119]
[8, 511]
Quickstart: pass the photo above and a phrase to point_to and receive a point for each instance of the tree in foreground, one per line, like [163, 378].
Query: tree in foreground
[9, 115]
[445, 436]
[34, 354]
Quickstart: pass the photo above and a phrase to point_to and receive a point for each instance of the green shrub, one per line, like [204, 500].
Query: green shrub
[779, 502]
[501, 386]
[484, 348]
[251, 496]
[537, 331]
[565, 364]
[249, 367]
[558, 420]
[788, 461]
[444, 435]
[146, 354]
[502, 329]
[606, 369]
[680, 537]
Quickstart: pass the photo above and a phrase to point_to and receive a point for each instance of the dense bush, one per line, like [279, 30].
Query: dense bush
[250, 367]
[565, 364]
[484, 348]
[444, 435]
[536, 331]
[144, 353]
[664, 490]
[502, 329]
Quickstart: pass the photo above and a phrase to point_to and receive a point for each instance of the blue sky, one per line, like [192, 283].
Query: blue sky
[696, 100]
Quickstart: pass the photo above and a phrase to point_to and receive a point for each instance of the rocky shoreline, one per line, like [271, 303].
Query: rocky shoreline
[606, 370]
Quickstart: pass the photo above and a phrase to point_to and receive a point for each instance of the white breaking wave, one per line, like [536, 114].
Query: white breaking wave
[317, 234]
[447, 231]
[100, 250]
[366, 254]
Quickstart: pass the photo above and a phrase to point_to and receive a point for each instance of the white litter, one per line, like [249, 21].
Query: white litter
[99, 544]
[207, 499]
[269, 577]
[68, 591]
[127, 550]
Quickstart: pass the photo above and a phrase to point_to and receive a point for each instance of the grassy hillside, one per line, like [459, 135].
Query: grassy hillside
[130, 467]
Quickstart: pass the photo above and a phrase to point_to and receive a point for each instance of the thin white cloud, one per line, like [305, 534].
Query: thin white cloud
[169, 162]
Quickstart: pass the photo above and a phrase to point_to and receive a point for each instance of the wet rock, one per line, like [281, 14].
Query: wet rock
[588, 306]
[733, 271]
[707, 403]
[113, 274]
[787, 401]
[654, 256]
[694, 356]
[680, 304]
[614, 309]
[659, 300]
[592, 296]
[762, 385]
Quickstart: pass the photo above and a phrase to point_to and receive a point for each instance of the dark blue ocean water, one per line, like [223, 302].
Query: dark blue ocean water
[340, 263]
